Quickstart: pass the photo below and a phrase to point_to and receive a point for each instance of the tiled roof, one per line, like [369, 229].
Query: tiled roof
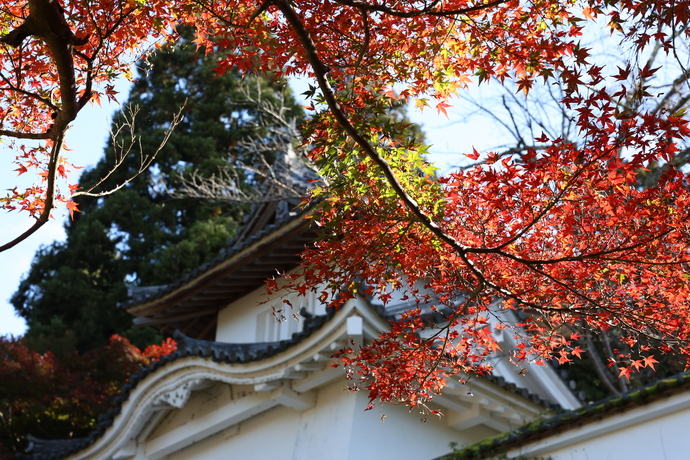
[220, 352]
[539, 429]
[440, 316]
[191, 304]
[235, 246]
[51, 449]
[230, 353]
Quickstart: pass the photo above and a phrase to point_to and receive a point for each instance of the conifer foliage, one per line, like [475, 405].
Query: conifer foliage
[139, 235]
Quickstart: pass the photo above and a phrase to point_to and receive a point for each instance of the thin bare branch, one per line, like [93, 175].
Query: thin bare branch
[429, 10]
[258, 181]
[123, 149]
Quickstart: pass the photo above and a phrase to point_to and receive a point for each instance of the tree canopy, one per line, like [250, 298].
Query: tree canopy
[53, 397]
[562, 233]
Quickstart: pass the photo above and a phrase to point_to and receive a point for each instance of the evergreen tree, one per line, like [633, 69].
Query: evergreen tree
[140, 235]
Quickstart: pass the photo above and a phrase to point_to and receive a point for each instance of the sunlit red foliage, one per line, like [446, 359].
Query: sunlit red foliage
[562, 234]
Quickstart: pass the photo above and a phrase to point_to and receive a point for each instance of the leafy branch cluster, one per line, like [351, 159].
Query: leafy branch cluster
[563, 232]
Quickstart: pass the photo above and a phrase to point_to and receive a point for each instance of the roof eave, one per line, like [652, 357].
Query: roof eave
[228, 266]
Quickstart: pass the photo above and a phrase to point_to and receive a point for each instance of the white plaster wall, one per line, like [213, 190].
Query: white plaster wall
[320, 433]
[404, 435]
[337, 428]
[237, 321]
[666, 437]
[325, 431]
[251, 318]
[267, 436]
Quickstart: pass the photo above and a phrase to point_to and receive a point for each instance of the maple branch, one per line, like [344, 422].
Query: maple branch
[447, 328]
[461, 311]
[88, 86]
[320, 72]
[50, 195]
[46, 21]
[566, 287]
[428, 10]
[593, 255]
[20, 135]
[263, 7]
[599, 366]
[411, 204]
[16, 89]
[551, 204]
[216, 15]
[364, 46]
[343, 116]
[645, 262]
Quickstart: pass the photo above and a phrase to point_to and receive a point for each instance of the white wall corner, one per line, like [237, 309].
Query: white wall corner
[355, 329]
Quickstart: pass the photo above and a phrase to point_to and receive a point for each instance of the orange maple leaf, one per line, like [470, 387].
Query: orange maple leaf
[649, 361]
[72, 206]
[577, 351]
